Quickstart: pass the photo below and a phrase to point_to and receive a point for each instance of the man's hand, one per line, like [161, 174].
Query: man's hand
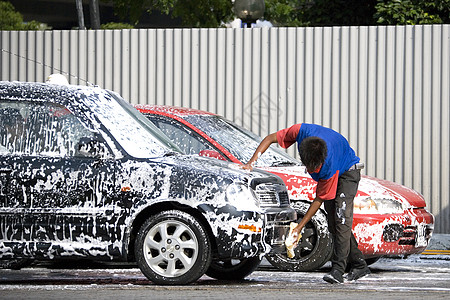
[292, 239]
[296, 235]
[247, 166]
[265, 143]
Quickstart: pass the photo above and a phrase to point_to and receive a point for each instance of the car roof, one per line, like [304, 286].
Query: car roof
[171, 110]
[61, 94]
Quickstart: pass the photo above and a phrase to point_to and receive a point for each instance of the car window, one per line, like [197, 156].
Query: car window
[238, 141]
[138, 136]
[38, 128]
[186, 139]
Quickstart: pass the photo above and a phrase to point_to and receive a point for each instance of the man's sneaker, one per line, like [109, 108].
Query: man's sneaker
[334, 277]
[355, 274]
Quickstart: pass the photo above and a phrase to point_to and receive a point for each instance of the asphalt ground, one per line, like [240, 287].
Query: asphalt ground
[420, 276]
[416, 277]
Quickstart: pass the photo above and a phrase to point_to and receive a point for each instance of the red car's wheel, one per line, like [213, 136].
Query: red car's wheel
[315, 247]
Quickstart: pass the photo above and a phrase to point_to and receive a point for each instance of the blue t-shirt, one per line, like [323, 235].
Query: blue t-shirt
[340, 156]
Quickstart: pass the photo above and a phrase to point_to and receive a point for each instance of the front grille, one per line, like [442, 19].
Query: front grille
[271, 195]
[393, 232]
[409, 236]
[404, 235]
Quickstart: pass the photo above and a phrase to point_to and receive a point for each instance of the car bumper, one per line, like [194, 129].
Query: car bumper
[276, 227]
[395, 234]
[255, 233]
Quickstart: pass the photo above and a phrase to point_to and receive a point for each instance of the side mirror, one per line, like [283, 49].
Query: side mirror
[211, 153]
[91, 147]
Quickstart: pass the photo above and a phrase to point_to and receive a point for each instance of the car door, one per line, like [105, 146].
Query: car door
[51, 192]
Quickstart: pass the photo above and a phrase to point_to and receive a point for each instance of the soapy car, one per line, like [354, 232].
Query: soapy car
[389, 219]
[84, 175]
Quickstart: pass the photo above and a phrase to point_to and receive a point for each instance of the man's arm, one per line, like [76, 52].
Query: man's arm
[263, 146]
[313, 208]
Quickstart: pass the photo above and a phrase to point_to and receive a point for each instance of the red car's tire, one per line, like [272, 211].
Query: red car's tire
[315, 247]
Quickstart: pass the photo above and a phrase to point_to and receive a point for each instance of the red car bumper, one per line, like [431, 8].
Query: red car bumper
[395, 234]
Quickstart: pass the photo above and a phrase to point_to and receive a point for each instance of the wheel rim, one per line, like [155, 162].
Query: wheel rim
[308, 242]
[170, 248]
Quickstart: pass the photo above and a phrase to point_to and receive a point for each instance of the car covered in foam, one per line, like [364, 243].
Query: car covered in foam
[389, 219]
[84, 175]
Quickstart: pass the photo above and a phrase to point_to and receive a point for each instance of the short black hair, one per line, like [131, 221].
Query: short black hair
[313, 151]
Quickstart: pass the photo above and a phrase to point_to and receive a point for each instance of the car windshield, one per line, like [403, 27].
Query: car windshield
[238, 141]
[138, 136]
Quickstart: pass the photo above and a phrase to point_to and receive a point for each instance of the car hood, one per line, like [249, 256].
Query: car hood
[302, 187]
[219, 168]
[191, 180]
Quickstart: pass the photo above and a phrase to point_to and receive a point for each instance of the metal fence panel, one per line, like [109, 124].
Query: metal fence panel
[386, 89]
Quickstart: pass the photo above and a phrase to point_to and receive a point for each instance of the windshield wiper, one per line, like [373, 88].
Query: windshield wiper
[171, 153]
[284, 164]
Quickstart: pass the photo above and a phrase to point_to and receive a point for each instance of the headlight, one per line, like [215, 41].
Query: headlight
[376, 206]
[242, 197]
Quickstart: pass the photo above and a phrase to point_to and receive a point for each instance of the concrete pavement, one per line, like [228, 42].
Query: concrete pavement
[439, 245]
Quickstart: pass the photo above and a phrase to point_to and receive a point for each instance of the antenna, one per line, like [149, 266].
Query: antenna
[48, 66]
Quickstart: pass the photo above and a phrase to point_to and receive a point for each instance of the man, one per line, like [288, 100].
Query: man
[331, 162]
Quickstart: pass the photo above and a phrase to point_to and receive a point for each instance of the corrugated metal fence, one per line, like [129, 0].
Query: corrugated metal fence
[386, 89]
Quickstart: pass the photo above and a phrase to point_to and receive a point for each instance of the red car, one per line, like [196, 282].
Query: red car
[389, 219]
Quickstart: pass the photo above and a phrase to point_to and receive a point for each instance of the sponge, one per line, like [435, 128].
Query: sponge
[291, 241]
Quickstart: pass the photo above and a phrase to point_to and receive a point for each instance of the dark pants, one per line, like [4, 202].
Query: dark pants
[340, 220]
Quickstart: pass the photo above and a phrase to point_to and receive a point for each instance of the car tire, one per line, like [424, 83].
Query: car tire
[15, 263]
[173, 248]
[315, 246]
[233, 269]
